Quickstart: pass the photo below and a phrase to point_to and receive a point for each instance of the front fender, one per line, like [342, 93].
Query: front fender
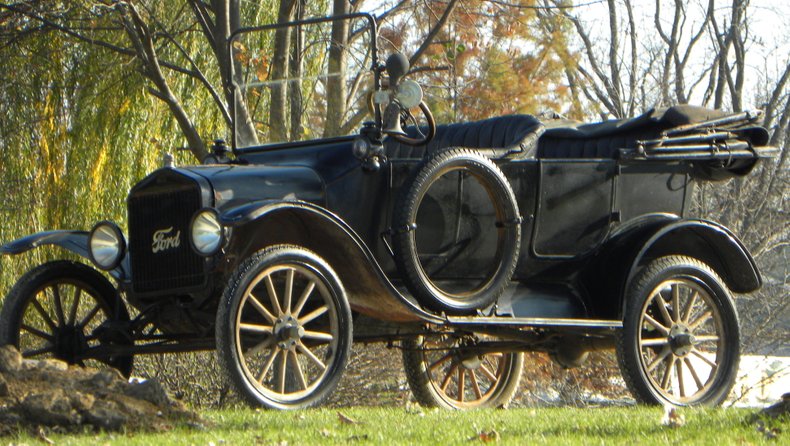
[255, 226]
[74, 241]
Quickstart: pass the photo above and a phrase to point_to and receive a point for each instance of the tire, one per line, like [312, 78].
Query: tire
[437, 374]
[680, 342]
[281, 352]
[48, 314]
[404, 238]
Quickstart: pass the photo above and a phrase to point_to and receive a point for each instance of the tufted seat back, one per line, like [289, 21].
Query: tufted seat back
[497, 137]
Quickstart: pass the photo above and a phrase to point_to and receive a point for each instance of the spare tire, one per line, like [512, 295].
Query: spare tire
[506, 222]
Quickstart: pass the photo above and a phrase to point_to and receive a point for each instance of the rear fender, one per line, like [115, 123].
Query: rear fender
[74, 241]
[258, 225]
[609, 275]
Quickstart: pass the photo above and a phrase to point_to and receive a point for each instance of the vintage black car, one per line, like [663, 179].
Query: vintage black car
[465, 244]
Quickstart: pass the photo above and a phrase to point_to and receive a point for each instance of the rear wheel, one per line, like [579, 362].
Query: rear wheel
[56, 311]
[440, 374]
[680, 341]
[284, 329]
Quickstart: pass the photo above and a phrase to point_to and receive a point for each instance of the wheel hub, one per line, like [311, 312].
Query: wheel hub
[472, 362]
[681, 340]
[288, 332]
[70, 342]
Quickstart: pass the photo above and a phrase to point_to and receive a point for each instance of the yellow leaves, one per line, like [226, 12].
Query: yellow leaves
[98, 168]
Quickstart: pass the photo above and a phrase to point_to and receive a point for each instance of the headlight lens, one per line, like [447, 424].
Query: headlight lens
[106, 245]
[206, 232]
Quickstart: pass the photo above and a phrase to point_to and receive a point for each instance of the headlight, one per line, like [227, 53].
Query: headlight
[206, 233]
[106, 245]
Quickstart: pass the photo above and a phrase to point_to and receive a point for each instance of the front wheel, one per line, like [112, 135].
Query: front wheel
[680, 339]
[58, 310]
[443, 374]
[284, 329]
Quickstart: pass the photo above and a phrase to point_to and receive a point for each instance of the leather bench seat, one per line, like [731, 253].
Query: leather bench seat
[496, 137]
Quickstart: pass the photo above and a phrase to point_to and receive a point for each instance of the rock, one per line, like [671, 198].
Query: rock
[82, 401]
[52, 409]
[3, 386]
[104, 378]
[10, 359]
[50, 364]
[150, 390]
[106, 415]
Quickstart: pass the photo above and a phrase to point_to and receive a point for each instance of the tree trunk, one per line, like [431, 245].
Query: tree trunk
[278, 130]
[336, 82]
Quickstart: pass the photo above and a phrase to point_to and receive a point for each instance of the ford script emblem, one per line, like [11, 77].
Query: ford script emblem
[164, 239]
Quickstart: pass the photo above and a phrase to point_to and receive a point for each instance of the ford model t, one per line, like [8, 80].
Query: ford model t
[467, 244]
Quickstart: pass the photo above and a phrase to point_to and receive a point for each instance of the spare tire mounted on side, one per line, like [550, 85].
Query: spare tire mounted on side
[508, 227]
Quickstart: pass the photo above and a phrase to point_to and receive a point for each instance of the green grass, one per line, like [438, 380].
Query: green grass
[621, 425]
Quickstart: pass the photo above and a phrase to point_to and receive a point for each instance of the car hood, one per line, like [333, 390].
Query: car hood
[235, 185]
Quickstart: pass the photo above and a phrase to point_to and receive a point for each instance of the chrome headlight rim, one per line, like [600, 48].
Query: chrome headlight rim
[211, 216]
[111, 232]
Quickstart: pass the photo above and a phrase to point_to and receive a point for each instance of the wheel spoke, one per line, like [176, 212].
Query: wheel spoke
[75, 305]
[40, 351]
[488, 373]
[314, 314]
[281, 372]
[657, 325]
[666, 381]
[37, 332]
[662, 307]
[476, 385]
[261, 346]
[461, 384]
[705, 338]
[58, 305]
[289, 286]
[256, 328]
[679, 371]
[699, 354]
[690, 306]
[261, 309]
[675, 303]
[654, 342]
[89, 317]
[439, 362]
[317, 335]
[700, 320]
[273, 295]
[694, 375]
[268, 365]
[298, 367]
[448, 377]
[659, 358]
[44, 314]
[303, 298]
[303, 348]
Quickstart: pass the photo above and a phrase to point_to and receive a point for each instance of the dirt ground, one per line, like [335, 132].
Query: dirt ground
[50, 393]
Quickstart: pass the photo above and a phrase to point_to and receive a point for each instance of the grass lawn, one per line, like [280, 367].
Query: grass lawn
[620, 425]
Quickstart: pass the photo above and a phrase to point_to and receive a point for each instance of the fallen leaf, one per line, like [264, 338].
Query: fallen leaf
[325, 433]
[486, 437]
[346, 420]
[43, 437]
[672, 418]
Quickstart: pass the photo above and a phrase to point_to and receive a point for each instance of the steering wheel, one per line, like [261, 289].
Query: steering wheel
[407, 118]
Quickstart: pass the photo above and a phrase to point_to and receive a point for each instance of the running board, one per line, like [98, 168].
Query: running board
[533, 322]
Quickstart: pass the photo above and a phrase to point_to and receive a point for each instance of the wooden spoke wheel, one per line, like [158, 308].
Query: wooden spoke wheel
[284, 329]
[440, 374]
[680, 342]
[57, 310]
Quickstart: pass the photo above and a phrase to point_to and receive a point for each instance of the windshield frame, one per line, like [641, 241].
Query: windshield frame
[376, 67]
